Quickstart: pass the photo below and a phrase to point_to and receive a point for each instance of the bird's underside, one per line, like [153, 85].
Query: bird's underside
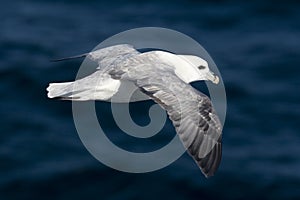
[190, 111]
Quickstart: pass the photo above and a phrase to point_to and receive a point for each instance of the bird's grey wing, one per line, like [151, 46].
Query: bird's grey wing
[107, 56]
[190, 111]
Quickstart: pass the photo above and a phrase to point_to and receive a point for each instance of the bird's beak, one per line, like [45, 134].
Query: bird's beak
[212, 77]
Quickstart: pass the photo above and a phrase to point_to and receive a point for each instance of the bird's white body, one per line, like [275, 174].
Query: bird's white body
[117, 91]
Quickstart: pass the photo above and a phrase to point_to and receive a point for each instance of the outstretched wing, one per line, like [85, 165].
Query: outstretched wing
[107, 56]
[190, 111]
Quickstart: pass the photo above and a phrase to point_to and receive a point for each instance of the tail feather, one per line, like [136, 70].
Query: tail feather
[59, 89]
[93, 87]
[67, 91]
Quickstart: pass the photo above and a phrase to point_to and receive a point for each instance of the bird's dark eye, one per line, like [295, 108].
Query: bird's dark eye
[201, 67]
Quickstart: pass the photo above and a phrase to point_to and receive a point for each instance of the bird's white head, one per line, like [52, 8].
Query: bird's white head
[200, 68]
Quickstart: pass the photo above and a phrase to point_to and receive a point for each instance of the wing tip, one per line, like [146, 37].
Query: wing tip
[69, 58]
[211, 162]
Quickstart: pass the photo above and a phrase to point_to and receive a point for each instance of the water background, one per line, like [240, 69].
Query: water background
[256, 46]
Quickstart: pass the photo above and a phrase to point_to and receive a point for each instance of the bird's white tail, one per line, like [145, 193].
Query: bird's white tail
[59, 89]
[82, 91]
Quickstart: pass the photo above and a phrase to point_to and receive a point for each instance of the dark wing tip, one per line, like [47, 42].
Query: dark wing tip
[211, 162]
[69, 58]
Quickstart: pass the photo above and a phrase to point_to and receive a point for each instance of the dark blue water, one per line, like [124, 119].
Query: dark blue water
[256, 46]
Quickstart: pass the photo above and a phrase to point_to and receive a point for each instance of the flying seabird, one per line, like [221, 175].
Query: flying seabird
[163, 77]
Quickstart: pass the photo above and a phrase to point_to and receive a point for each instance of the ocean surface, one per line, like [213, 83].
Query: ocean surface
[256, 46]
